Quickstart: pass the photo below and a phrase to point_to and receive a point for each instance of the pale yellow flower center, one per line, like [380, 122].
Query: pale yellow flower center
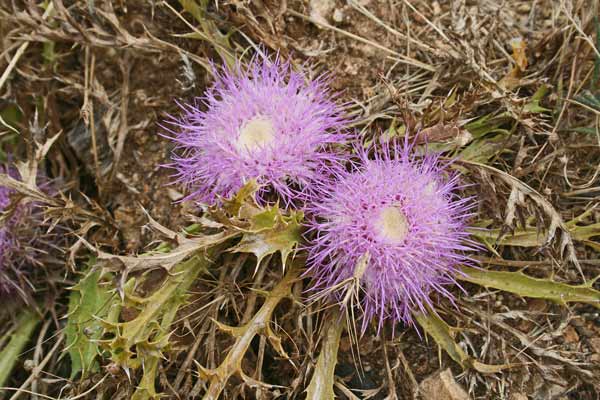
[391, 225]
[255, 134]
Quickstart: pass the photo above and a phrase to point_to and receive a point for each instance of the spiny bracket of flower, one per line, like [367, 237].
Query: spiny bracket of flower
[269, 231]
[400, 211]
[264, 121]
[265, 229]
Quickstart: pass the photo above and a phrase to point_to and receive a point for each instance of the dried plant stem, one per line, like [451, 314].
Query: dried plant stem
[123, 126]
[38, 353]
[87, 110]
[520, 188]
[397, 56]
[414, 385]
[21, 50]
[38, 368]
[392, 395]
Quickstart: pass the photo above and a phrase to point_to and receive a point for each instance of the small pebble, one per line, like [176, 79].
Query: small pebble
[338, 15]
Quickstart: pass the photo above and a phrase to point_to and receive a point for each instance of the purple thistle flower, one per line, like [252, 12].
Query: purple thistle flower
[265, 122]
[6, 239]
[21, 236]
[401, 214]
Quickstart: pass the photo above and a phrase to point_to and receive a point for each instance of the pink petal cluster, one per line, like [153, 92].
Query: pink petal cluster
[403, 213]
[264, 121]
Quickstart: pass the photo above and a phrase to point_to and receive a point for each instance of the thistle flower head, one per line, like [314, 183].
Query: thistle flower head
[21, 236]
[6, 241]
[266, 122]
[399, 214]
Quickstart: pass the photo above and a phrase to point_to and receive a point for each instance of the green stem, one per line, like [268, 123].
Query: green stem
[18, 339]
[232, 364]
[323, 379]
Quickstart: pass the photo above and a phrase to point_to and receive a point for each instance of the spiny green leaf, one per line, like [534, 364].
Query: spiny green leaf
[527, 286]
[590, 99]
[170, 296]
[88, 301]
[534, 105]
[9, 355]
[146, 390]
[487, 124]
[482, 150]
[532, 237]
[265, 230]
[264, 219]
[282, 236]
[141, 341]
[210, 31]
[443, 335]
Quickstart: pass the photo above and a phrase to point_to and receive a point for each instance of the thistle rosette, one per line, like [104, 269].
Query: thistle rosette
[395, 224]
[265, 121]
